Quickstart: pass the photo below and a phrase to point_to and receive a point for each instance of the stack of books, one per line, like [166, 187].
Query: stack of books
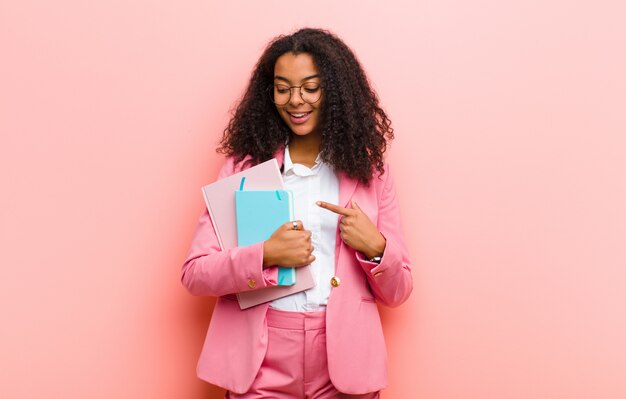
[246, 208]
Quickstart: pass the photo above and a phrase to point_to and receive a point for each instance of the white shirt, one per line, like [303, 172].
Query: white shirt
[318, 183]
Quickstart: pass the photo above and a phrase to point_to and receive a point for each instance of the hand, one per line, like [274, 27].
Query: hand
[288, 247]
[357, 230]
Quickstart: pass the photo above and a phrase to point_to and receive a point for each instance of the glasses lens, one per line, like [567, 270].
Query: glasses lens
[311, 92]
[281, 94]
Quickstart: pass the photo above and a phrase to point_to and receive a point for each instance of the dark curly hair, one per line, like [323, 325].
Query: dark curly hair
[355, 129]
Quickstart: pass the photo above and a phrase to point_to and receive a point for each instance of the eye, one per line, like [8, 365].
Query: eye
[282, 89]
[311, 87]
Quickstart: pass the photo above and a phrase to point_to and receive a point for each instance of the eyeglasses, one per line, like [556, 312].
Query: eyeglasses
[310, 92]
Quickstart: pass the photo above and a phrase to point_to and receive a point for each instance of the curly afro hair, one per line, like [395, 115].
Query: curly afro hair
[355, 129]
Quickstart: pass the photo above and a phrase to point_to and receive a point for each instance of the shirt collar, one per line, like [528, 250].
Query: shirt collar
[298, 169]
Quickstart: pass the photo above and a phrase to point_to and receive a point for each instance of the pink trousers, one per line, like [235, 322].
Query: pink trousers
[295, 365]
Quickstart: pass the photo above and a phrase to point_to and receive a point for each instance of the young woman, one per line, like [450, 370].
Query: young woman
[309, 105]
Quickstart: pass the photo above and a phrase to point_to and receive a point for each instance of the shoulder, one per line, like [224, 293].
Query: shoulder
[230, 167]
[380, 184]
[384, 184]
[382, 179]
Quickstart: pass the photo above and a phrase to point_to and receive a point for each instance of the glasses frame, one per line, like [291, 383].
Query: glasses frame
[272, 88]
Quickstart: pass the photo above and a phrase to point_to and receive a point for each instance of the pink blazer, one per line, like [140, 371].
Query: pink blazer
[236, 340]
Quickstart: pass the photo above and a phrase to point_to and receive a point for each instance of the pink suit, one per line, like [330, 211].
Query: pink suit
[236, 341]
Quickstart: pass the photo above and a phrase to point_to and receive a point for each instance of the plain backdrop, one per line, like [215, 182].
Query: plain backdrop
[510, 161]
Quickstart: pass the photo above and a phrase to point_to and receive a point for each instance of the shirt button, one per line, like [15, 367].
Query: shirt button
[335, 281]
[251, 283]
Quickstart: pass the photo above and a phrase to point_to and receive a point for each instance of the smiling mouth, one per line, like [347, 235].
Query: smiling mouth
[299, 118]
[299, 114]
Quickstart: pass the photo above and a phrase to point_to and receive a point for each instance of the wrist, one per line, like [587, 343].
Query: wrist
[377, 249]
[267, 259]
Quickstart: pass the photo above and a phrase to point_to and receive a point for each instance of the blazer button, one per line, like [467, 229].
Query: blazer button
[251, 283]
[335, 281]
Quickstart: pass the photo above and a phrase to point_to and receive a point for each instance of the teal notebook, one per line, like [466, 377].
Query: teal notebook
[259, 214]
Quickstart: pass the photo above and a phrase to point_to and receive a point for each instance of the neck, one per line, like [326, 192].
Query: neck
[304, 149]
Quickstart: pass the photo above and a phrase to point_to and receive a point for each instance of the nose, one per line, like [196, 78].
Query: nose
[296, 97]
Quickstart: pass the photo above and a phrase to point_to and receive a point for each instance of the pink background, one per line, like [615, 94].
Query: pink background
[510, 159]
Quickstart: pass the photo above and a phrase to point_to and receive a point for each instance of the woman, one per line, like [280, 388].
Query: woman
[309, 105]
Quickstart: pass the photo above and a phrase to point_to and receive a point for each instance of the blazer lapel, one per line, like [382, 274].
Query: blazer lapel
[346, 189]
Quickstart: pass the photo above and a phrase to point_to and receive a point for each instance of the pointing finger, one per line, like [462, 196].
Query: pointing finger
[335, 208]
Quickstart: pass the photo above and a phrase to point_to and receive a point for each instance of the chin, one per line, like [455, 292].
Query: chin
[301, 130]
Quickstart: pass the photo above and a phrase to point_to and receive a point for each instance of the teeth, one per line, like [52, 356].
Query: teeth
[299, 115]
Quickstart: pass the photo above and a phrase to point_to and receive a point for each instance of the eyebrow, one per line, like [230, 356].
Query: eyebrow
[288, 81]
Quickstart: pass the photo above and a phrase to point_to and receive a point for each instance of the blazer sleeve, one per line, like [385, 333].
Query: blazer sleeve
[391, 280]
[210, 271]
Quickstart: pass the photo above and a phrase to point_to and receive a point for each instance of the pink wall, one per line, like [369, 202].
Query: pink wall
[510, 120]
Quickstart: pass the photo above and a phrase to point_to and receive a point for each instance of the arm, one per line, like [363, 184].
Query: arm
[390, 280]
[210, 271]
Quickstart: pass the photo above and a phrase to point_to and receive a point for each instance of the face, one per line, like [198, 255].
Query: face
[302, 117]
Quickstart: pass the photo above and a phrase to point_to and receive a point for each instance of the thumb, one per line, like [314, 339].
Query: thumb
[355, 205]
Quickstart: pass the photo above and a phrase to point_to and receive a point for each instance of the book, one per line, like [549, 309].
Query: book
[259, 214]
[219, 198]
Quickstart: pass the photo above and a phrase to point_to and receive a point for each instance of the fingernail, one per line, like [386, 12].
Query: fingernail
[318, 203]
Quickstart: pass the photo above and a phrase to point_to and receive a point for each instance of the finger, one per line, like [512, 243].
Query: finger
[306, 260]
[294, 225]
[355, 205]
[335, 208]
